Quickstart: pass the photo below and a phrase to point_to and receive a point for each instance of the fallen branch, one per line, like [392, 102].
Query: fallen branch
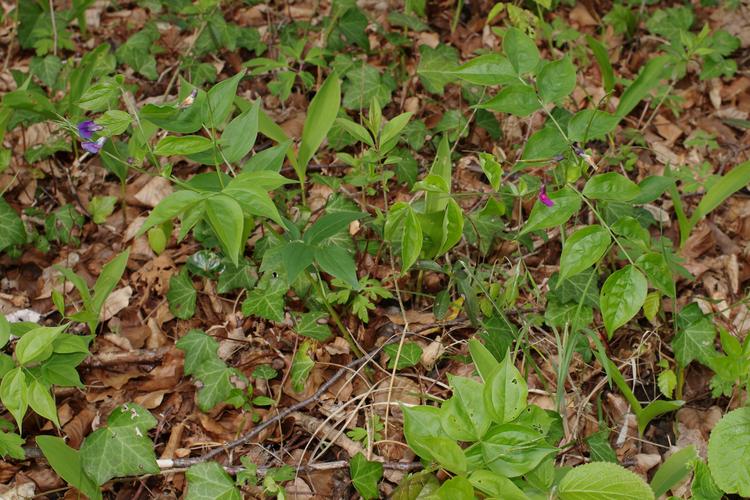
[128, 357]
[167, 466]
[188, 462]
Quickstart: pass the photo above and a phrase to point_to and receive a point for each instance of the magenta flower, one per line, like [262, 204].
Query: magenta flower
[94, 147]
[544, 198]
[87, 128]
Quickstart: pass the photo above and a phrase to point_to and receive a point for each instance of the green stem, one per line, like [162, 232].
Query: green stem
[317, 283]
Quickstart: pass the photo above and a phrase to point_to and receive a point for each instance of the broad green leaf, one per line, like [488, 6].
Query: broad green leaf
[14, 394]
[11, 445]
[339, 263]
[599, 480]
[464, 416]
[183, 145]
[446, 453]
[647, 80]
[302, 365]
[42, 402]
[411, 240]
[356, 130]
[227, 220]
[365, 476]
[296, 257]
[421, 422]
[409, 356]
[436, 67]
[176, 204]
[520, 50]
[208, 480]
[583, 249]
[455, 488]
[330, 225]
[182, 295]
[590, 124]
[114, 121]
[391, 130]
[602, 59]
[655, 409]
[704, 487]
[219, 101]
[496, 486]
[566, 203]
[727, 452]
[441, 168]
[513, 450]
[673, 470]
[487, 69]
[270, 159]
[182, 120]
[518, 99]
[239, 135]
[12, 230]
[264, 304]
[101, 207]
[505, 392]
[734, 180]
[556, 80]
[46, 68]
[314, 325]
[484, 361]
[107, 281]
[543, 145]
[651, 308]
[36, 345]
[66, 461]
[622, 295]
[252, 199]
[122, 448]
[657, 270]
[320, 116]
[611, 186]
[216, 383]
[652, 187]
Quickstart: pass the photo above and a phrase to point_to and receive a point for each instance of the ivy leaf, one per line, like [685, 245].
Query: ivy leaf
[181, 295]
[12, 231]
[46, 69]
[302, 365]
[410, 355]
[310, 325]
[123, 447]
[695, 336]
[198, 347]
[209, 481]
[11, 445]
[265, 304]
[365, 476]
[436, 67]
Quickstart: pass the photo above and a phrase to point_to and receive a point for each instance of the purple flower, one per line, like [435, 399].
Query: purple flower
[544, 198]
[87, 128]
[93, 147]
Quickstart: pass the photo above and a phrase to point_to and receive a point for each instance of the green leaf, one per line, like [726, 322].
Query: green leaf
[239, 135]
[600, 480]
[446, 452]
[122, 448]
[556, 80]
[311, 325]
[519, 100]
[12, 230]
[330, 225]
[209, 481]
[198, 347]
[734, 180]
[622, 295]
[13, 394]
[183, 145]
[227, 220]
[42, 402]
[176, 204]
[520, 50]
[704, 487]
[455, 488]
[611, 186]
[101, 207]
[410, 355]
[543, 145]
[392, 130]
[513, 450]
[356, 130]
[114, 121]
[262, 303]
[464, 416]
[658, 272]
[66, 461]
[365, 476]
[36, 345]
[651, 307]
[11, 445]
[219, 101]
[436, 67]
[567, 202]
[216, 383]
[487, 69]
[583, 249]
[253, 199]
[339, 263]
[411, 240]
[320, 116]
[695, 336]
[496, 486]
[421, 422]
[182, 295]
[107, 281]
[647, 80]
[296, 256]
[362, 85]
[505, 392]
[484, 361]
[302, 365]
[46, 69]
[673, 470]
[602, 59]
[590, 124]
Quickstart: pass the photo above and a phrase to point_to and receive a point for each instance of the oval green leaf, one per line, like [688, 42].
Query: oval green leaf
[583, 249]
[622, 296]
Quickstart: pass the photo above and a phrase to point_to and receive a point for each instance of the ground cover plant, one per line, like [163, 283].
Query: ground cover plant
[341, 249]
